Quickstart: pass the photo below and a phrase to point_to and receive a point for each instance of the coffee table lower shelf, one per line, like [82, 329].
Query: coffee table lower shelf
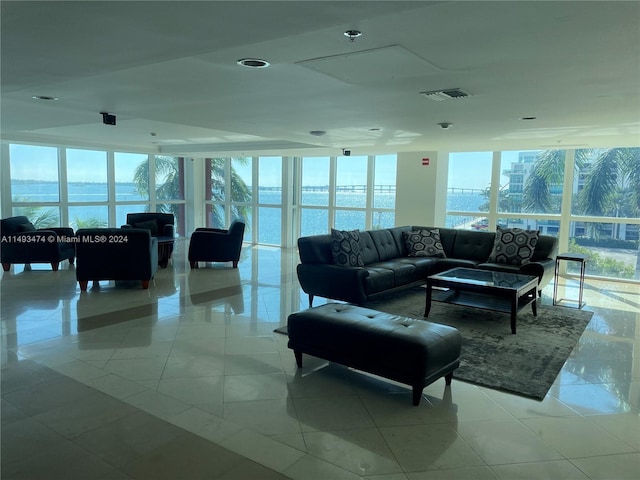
[484, 301]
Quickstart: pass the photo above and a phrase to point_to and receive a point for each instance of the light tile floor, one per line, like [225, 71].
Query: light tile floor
[187, 380]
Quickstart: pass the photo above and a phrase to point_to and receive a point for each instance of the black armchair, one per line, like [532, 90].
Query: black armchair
[160, 224]
[23, 243]
[116, 254]
[216, 244]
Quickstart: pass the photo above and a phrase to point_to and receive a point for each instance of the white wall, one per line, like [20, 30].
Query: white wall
[421, 197]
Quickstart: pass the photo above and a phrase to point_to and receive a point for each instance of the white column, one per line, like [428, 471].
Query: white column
[421, 196]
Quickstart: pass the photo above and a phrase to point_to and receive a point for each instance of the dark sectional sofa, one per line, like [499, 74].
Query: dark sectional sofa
[387, 266]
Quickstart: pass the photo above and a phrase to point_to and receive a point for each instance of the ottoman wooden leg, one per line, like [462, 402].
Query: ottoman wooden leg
[417, 395]
[447, 378]
[298, 358]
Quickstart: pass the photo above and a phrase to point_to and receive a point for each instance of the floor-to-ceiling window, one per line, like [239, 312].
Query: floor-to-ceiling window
[347, 192]
[351, 193]
[168, 181]
[87, 188]
[524, 201]
[131, 174]
[58, 186]
[589, 199]
[35, 184]
[314, 195]
[270, 196]
[384, 191]
[605, 211]
[468, 190]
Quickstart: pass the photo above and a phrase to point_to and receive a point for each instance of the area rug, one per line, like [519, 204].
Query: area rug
[525, 364]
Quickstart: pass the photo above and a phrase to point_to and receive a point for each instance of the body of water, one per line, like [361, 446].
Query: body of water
[314, 220]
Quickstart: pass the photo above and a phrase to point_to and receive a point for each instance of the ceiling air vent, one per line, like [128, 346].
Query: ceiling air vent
[439, 95]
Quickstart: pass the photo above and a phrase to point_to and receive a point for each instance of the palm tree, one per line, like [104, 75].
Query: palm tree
[612, 172]
[611, 184]
[240, 192]
[91, 222]
[615, 170]
[168, 169]
[40, 217]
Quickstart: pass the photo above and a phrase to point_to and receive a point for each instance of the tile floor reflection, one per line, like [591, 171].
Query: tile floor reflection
[187, 380]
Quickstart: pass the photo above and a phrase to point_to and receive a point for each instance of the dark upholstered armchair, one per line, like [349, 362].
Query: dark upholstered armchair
[160, 224]
[216, 245]
[23, 243]
[115, 254]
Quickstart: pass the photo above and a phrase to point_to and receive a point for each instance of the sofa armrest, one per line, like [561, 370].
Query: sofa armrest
[331, 281]
[543, 269]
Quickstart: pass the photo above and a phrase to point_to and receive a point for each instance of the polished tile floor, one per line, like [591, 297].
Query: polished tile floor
[187, 380]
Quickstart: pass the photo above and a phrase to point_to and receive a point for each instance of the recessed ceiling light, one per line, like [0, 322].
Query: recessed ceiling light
[44, 97]
[527, 118]
[253, 63]
[352, 34]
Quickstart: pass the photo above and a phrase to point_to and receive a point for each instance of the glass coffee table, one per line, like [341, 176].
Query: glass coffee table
[497, 291]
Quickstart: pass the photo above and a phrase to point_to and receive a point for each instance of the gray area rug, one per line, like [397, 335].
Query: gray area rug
[526, 363]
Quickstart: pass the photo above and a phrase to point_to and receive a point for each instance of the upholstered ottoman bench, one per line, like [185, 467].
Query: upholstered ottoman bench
[410, 351]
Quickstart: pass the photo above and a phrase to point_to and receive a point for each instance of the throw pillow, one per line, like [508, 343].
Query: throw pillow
[345, 248]
[513, 246]
[424, 243]
[26, 227]
[149, 225]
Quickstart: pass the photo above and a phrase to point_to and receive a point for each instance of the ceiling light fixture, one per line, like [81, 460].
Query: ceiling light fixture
[527, 118]
[317, 133]
[44, 97]
[352, 34]
[253, 63]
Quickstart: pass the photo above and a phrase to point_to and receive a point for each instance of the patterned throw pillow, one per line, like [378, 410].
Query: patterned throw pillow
[345, 248]
[513, 246]
[424, 243]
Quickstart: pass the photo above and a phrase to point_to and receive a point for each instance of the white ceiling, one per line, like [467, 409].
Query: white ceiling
[169, 67]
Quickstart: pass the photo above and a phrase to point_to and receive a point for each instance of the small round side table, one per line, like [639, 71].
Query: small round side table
[570, 257]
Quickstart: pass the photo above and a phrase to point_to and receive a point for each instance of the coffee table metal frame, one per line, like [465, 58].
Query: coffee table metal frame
[484, 289]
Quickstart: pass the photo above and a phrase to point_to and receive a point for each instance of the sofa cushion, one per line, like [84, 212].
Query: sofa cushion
[472, 245]
[368, 248]
[345, 247]
[151, 225]
[513, 246]
[385, 244]
[403, 273]
[424, 266]
[379, 280]
[449, 263]
[424, 243]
